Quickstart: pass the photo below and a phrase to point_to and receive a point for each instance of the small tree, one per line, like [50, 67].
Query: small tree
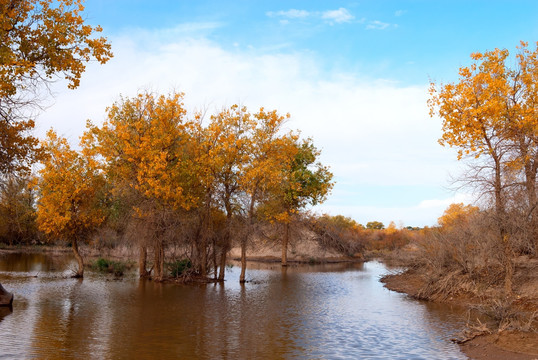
[147, 152]
[302, 181]
[375, 225]
[455, 214]
[261, 172]
[71, 195]
[222, 154]
[489, 116]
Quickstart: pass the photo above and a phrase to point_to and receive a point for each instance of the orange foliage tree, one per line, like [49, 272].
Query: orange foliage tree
[40, 39]
[71, 195]
[456, 214]
[302, 181]
[147, 153]
[268, 151]
[222, 152]
[489, 115]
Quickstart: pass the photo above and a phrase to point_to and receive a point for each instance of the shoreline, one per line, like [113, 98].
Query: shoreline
[500, 345]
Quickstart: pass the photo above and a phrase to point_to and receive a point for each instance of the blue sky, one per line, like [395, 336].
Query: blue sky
[353, 75]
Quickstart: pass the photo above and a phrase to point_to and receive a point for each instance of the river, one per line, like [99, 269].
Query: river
[333, 311]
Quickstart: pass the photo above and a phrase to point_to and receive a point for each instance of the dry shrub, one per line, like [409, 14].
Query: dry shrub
[338, 233]
[442, 286]
[504, 315]
[386, 239]
[462, 258]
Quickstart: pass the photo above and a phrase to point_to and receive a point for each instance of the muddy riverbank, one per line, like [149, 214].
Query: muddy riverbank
[487, 341]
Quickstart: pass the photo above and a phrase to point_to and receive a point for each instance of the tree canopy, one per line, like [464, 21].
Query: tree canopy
[41, 41]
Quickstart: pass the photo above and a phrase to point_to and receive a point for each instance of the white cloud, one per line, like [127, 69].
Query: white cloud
[340, 16]
[370, 131]
[377, 25]
[292, 14]
[398, 13]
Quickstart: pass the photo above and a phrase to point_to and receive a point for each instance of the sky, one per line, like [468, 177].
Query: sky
[354, 76]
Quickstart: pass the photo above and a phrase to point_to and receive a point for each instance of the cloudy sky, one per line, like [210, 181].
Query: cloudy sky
[353, 75]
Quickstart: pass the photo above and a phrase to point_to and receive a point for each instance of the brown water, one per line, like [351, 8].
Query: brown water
[306, 312]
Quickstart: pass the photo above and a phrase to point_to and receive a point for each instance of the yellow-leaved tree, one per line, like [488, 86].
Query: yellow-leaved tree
[41, 40]
[456, 214]
[222, 153]
[489, 115]
[268, 152]
[147, 153]
[302, 181]
[71, 195]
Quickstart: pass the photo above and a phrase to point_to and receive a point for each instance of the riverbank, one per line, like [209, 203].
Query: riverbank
[497, 328]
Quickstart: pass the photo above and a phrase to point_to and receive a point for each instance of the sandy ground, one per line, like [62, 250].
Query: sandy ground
[504, 346]
[307, 250]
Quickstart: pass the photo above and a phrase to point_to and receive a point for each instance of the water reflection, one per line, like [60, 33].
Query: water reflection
[305, 312]
[34, 262]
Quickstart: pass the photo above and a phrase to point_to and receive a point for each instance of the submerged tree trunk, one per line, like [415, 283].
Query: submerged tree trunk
[285, 240]
[222, 266]
[80, 261]
[243, 259]
[214, 257]
[225, 245]
[206, 229]
[244, 239]
[6, 298]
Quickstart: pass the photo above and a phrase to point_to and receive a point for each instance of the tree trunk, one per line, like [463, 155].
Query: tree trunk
[196, 247]
[161, 264]
[6, 298]
[158, 265]
[206, 223]
[80, 261]
[214, 257]
[500, 213]
[244, 239]
[225, 245]
[203, 249]
[531, 169]
[142, 261]
[285, 240]
[222, 270]
[243, 259]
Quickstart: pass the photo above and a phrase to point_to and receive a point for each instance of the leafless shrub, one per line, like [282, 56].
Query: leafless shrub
[466, 247]
[471, 331]
[339, 236]
[505, 316]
